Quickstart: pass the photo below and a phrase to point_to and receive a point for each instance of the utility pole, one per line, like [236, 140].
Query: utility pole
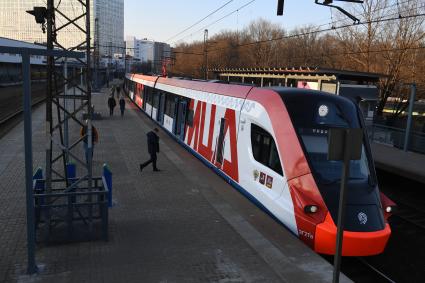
[125, 58]
[344, 144]
[49, 94]
[409, 116]
[96, 55]
[109, 60]
[206, 54]
[123, 53]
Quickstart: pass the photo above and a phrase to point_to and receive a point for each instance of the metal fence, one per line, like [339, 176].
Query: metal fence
[397, 137]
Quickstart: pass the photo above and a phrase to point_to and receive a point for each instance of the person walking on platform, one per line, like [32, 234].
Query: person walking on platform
[122, 105]
[111, 103]
[153, 148]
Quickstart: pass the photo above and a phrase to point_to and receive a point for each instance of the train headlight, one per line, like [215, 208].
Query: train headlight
[311, 208]
[390, 209]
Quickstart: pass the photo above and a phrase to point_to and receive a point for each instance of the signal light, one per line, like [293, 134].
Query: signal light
[40, 14]
[311, 208]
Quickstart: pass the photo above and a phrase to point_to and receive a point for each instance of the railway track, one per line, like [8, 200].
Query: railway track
[410, 213]
[11, 101]
[359, 269]
[381, 275]
[6, 118]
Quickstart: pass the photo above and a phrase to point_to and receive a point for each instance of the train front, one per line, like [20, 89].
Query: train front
[366, 229]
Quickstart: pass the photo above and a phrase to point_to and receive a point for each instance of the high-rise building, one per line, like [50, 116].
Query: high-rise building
[15, 23]
[148, 51]
[142, 49]
[110, 15]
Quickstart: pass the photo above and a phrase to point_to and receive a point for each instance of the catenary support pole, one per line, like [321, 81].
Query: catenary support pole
[409, 117]
[341, 208]
[31, 267]
[65, 105]
[206, 54]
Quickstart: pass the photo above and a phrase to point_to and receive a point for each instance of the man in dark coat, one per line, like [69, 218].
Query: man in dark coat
[111, 103]
[153, 148]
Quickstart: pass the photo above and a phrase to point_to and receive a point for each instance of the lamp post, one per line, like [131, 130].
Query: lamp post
[343, 145]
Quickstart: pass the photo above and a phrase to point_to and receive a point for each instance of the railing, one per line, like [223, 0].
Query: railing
[77, 210]
[396, 137]
[74, 214]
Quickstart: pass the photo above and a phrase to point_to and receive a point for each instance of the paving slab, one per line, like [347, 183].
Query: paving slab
[408, 164]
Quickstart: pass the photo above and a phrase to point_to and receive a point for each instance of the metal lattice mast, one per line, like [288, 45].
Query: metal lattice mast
[58, 151]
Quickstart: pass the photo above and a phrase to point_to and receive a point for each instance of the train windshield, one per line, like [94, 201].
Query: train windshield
[316, 144]
[312, 117]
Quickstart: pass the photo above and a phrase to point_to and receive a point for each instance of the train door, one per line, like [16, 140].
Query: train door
[180, 118]
[161, 107]
[155, 105]
[169, 112]
[144, 95]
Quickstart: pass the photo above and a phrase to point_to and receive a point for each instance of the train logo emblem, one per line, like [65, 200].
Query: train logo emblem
[362, 217]
[323, 110]
[269, 182]
[262, 178]
[256, 174]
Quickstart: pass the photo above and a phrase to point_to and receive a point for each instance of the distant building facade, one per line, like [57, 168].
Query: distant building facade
[142, 49]
[148, 51]
[16, 24]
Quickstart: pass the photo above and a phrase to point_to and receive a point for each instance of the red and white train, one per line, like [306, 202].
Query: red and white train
[271, 144]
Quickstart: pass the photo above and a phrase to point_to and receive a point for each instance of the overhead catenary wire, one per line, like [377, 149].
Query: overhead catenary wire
[332, 29]
[130, 48]
[360, 14]
[216, 21]
[199, 21]
[317, 31]
[243, 6]
[360, 52]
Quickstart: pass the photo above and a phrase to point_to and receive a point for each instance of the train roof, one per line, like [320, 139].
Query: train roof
[290, 93]
[233, 90]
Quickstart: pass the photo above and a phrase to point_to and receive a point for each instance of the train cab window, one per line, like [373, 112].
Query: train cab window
[264, 149]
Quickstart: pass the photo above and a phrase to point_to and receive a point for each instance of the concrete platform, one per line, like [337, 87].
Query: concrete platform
[408, 164]
[183, 224]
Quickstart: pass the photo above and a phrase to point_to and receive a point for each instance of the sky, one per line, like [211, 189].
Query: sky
[162, 20]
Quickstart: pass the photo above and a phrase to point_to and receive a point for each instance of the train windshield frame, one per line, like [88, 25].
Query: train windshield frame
[312, 116]
[315, 142]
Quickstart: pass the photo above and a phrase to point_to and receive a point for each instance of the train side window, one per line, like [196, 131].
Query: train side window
[170, 105]
[190, 118]
[149, 95]
[264, 149]
[220, 142]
